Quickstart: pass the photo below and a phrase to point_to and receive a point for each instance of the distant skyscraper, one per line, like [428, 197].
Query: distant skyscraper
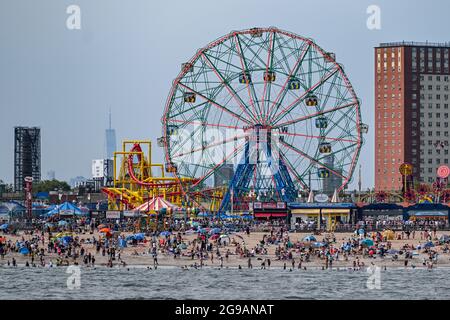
[77, 181]
[412, 97]
[27, 155]
[223, 176]
[334, 181]
[110, 135]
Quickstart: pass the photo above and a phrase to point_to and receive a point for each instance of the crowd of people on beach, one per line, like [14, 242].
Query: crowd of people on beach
[81, 243]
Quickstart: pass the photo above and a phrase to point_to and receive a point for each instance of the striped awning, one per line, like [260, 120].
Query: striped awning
[156, 204]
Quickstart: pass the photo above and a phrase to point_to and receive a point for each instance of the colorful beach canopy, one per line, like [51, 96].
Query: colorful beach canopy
[11, 207]
[65, 209]
[156, 204]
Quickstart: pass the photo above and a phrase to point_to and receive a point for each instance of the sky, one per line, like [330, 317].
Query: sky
[127, 53]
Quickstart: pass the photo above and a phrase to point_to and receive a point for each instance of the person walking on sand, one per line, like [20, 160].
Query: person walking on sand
[155, 259]
[250, 263]
[293, 263]
[268, 263]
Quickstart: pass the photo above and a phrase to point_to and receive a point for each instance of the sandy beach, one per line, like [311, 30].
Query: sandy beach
[139, 255]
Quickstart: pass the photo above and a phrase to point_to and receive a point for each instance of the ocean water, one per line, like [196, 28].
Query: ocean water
[209, 283]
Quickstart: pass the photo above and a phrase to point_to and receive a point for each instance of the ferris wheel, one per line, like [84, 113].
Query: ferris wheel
[271, 105]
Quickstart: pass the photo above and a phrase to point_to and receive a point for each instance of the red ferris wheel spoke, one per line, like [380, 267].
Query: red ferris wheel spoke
[289, 108]
[316, 114]
[230, 90]
[244, 69]
[215, 104]
[312, 159]
[223, 142]
[318, 137]
[199, 123]
[269, 60]
[207, 174]
[291, 73]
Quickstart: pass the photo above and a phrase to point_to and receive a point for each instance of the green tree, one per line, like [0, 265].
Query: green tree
[50, 185]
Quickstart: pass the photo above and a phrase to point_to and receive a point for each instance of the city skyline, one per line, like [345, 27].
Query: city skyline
[72, 76]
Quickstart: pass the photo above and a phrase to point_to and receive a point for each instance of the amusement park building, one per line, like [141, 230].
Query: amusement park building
[411, 111]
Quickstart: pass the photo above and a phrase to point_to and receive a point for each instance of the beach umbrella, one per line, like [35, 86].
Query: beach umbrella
[67, 239]
[105, 230]
[393, 251]
[214, 231]
[367, 242]
[428, 245]
[129, 238]
[214, 236]
[101, 226]
[309, 238]
[361, 231]
[62, 223]
[24, 250]
[319, 244]
[122, 243]
[202, 230]
[165, 233]
[139, 236]
[4, 226]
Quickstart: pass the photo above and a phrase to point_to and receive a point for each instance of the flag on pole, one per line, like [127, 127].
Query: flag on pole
[335, 198]
[310, 197]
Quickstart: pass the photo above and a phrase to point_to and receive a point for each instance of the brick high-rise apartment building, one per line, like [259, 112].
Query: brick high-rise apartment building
[411, 111]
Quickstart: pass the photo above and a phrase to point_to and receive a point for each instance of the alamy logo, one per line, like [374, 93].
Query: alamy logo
[74, 280]
[374, 280]
[73, 21]
[374, 20]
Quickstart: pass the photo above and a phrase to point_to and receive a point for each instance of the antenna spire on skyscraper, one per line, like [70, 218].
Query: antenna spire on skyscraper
[110, 122]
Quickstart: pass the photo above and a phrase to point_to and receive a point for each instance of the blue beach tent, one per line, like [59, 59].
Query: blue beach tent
[66, 209]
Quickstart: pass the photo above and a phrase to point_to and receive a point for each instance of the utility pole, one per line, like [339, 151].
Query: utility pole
[359, 184]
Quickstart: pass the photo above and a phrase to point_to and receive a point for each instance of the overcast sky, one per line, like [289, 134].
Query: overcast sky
[127, 54]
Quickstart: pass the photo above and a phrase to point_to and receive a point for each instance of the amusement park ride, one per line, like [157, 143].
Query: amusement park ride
[272, 103]
[411, 193]
[136, 179]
